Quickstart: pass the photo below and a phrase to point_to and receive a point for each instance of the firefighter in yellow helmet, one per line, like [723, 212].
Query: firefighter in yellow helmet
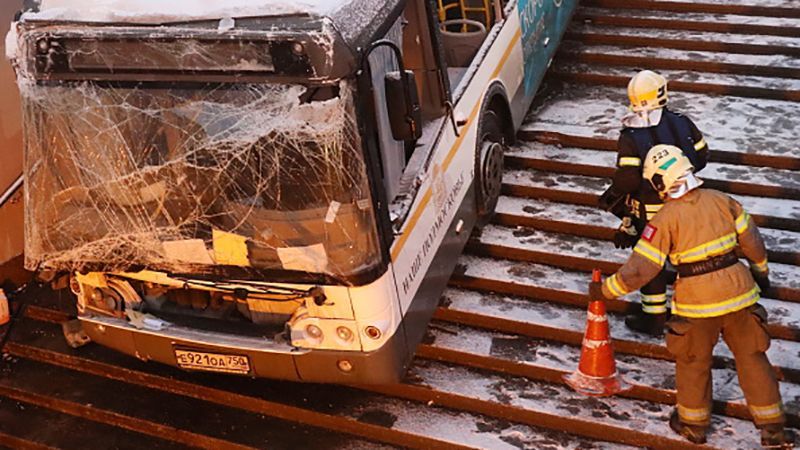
[650, 123]
[698, 230]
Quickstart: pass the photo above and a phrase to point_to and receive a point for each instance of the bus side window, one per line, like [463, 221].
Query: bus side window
[464, 25]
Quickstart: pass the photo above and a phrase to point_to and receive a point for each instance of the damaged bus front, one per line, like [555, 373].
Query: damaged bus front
[206, 186]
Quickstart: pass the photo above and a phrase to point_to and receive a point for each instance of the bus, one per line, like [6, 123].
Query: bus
[269, 188]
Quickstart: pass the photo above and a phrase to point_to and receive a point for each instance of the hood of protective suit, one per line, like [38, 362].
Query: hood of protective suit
[643, 119]
[684, 185]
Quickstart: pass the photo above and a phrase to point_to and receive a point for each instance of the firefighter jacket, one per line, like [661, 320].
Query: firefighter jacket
[702, 226]
[636, 140]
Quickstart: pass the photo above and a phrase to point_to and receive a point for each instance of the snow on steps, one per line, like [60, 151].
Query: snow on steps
[681, 80]
[780, 43]
[731, 124]
[732, 20]
[573, 255]
[652, 379]
[783, 214]
[540, 281]
[615, 418]
[529, 242]
[448, 426]
[771, 64]
[601, 163]
[590, 221]
[561, 162]
[748, 7]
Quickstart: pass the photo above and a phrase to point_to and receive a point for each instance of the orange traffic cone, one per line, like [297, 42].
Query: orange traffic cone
[597, 372]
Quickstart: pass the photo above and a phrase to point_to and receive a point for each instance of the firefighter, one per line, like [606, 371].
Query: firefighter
[698, 230]
[650, 123]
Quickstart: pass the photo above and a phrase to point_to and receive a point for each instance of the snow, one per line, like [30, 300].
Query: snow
[726, 173]
[622, 414]
[729, 123]
[783, 61]
[691, 35]
[638, 370]
[732, 19]
[546, 315]
[157, 11]
[532, 152]
[782, 276]
[685, 76]
[11, 42]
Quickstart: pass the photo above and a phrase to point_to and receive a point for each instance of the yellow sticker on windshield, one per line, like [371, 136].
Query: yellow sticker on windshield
[230, 249]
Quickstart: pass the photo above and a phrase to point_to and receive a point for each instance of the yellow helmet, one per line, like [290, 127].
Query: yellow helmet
[664, 165]
[647, 90]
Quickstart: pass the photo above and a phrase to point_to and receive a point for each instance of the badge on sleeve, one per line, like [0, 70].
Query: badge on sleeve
[649, 233]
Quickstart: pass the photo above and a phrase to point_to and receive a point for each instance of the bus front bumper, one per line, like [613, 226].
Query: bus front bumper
[266, 358]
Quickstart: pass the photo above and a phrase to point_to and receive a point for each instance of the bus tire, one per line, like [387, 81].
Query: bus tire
[488, 165]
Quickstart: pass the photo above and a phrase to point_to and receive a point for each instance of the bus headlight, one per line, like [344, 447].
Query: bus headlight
[314, 332]
[344, 334]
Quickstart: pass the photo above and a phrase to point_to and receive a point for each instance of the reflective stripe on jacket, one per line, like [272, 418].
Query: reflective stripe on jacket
[702, 224]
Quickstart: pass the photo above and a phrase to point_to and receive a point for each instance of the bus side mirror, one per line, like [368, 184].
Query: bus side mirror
[402, 103]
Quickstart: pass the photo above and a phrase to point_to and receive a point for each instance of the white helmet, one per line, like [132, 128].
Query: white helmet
[647, 90]
[669, 171]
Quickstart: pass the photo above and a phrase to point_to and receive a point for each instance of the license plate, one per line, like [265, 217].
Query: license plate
[212, 362]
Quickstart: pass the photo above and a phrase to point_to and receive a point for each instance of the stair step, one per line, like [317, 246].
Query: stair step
[588, 172]
[743, 127]
[543, 360]
[619, 419]
[570, 71]
[405, 422]
[780, 185]
[768, 8]
[495, 300]
[591, 33]
[581, 253]
[691, 21]
[770, 65]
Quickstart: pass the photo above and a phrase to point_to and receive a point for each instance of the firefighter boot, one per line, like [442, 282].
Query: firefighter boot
[694, 433]
[652, 324]
[773, 436]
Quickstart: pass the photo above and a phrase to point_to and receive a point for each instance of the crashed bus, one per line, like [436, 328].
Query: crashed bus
[269, 188]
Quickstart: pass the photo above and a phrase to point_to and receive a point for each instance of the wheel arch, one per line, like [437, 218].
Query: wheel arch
[496, 99]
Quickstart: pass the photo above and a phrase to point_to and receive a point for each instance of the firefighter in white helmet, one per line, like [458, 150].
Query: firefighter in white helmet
[698, 230]
[650, 123]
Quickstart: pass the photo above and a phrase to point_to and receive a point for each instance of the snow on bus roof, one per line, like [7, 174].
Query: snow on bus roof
[159, 11]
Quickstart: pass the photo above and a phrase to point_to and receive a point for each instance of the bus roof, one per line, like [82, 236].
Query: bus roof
[358, 21]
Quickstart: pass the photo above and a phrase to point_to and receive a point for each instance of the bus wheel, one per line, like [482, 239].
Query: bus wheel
[489, 166]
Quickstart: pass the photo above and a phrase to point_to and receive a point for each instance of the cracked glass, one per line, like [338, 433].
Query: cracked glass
[191, 177]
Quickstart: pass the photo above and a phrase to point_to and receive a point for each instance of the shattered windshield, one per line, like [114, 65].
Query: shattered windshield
[190, 179]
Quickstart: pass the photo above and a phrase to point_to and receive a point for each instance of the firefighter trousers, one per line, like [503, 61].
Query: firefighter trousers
[692, 342]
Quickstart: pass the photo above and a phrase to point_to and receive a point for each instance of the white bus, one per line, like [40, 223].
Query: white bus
[269, 188]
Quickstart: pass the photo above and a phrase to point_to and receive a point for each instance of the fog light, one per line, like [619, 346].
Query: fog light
[314, 332]
[297, 48]
[345, 365]
[344, 333]
[373, 332]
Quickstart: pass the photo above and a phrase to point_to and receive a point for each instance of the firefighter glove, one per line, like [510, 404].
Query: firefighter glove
[596, 291]
[626, 235]
[762, 280]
